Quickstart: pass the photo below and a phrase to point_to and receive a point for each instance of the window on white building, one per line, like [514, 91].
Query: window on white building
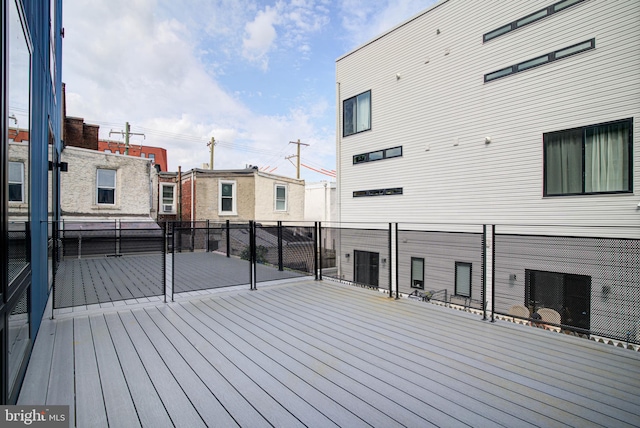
[417, 272]
[356, 113]
[16, 182]
[588, 160]
[168, 198]
[106, 186]
[281, 197]
[227, 200]
[463, 279]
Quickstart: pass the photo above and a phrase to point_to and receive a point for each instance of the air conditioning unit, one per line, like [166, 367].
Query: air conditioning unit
[167, 208]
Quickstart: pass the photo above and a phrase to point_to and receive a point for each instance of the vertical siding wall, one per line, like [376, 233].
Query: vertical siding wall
[440, 111]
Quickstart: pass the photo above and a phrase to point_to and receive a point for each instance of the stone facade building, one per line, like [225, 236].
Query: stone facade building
[234, 195]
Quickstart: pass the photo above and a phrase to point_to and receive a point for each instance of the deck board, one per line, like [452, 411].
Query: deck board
[149, 407]
[119, 406]
[195, 389]
[538, 366]
[40, 365]
[420, 396]
[321, 376]
[504, 369]
[259, 351]
[60, 387]
[87, 377]
[173, 397]
[309, 353]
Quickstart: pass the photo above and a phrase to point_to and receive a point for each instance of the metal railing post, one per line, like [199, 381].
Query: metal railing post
[228, 240]
[207, 244]
[164, 265]
[315, 249]
[484, 272]
[280, 261]
[54, 264]
[173, 261]
[395, 260]
[320, 250]
[493, 272]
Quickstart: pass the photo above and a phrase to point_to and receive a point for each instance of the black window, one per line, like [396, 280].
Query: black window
[417, 272]
[463, 279]
[393, 152]
[356, 113]
[531, 18]
[588, 160]
[378, 192]
[540, 60]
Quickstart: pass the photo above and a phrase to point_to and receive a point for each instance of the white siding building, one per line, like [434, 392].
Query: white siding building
[472, 145]
[519, 114]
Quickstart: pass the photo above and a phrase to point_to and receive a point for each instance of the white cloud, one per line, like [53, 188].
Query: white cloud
[364, 20]
[135, 61]
[261, 35]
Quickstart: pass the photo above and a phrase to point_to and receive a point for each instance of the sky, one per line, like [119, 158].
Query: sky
[256, 75]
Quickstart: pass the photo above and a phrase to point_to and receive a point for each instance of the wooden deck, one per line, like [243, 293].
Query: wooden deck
[323, 354]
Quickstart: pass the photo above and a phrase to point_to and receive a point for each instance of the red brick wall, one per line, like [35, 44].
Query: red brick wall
[186, 198]
[136, 150]
[79, 134]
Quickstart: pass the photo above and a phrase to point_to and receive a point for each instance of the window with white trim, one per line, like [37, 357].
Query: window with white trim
[281, 197]
[168, 205]
[16, 182]
[356, 114]
[106, 187]
[227, 199]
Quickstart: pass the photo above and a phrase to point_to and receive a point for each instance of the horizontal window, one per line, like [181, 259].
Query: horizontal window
[588, 160]
[544, 59]
[356, 114]
[533, 17]
[378, 192]
[393, 152]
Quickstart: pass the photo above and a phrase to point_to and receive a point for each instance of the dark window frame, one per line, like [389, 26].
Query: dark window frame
[513, 25]
[378, 192]
[355, 97]
[455, 284]
[366, 157]
[552, 56]
[584, 130]
[421, 280]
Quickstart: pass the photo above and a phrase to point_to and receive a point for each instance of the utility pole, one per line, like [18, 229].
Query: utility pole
[127, 132]
[297, 156]
[211, 144]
